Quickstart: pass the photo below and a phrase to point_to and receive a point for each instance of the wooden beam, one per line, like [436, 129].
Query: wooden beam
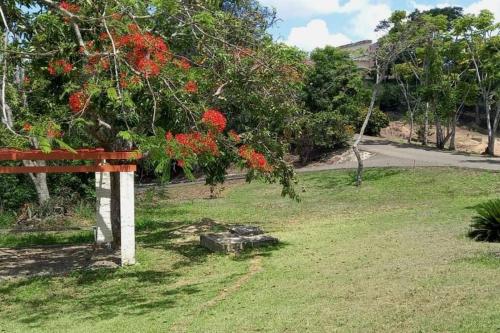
[68, 169]
[81, 154]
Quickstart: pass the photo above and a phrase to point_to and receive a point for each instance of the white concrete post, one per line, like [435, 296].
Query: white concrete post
[127, 218]
[103, 207]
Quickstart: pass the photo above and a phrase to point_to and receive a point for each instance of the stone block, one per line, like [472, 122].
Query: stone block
[227, 242]
[245, 230]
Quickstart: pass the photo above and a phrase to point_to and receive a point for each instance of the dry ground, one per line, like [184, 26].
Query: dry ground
[467, 140]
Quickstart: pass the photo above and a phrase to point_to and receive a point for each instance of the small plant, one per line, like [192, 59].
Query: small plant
[486, 224]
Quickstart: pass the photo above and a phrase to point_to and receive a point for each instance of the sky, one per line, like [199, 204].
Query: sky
[308, 24]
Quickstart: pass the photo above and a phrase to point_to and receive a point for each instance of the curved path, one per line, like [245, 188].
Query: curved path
[387, 154]
[391, 154]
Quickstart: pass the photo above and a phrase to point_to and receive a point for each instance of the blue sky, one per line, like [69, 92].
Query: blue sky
[316, 23]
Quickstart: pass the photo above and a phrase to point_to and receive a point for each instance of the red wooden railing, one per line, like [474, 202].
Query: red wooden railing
[98, 155]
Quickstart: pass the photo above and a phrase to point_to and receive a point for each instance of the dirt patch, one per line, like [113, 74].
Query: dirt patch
[467, 140]
[339, 157]
[192, 232]
[54, 260]
[187, 191]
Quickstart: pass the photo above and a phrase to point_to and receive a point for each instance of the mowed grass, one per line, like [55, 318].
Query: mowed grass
[392, 256]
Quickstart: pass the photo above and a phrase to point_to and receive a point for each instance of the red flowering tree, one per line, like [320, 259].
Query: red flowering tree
[188, 85]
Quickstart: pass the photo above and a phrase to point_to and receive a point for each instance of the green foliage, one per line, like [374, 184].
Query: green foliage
[226, 51]
[6, 219]
[321, 132]
[377, 122]
[334, 96]
[16, 191]
[390, 97]
[486, 224]
[334, 84]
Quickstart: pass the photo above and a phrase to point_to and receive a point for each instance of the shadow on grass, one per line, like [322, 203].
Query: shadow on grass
[342, 180]
[181, 238]
[131, 291]
[265, 251]
[17, 240]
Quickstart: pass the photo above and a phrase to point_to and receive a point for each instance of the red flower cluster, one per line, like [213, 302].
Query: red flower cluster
[214, 118]
[77, 101]
[72, 8]
[254, 159]
[59, 67]
[196, 143]
[191, 87]
[148, 53]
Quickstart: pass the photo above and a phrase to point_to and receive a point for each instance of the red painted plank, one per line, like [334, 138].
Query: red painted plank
[81, 154]
[68, 169]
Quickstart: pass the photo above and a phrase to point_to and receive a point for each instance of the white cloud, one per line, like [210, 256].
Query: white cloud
[308, 8]
[315, 34]
[302, 8]
[365, 21]
[364, 16]
[491, 5]
[423, 7]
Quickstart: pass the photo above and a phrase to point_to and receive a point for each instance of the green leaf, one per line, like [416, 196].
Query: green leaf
[65, 146]
[125, 135]
[112, 94]
[44, 145]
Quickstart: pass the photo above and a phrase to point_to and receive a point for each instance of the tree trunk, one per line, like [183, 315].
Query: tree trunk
[439, 134]
[426, 125]
[477, 117]
[115, 209]
[490, 149]
[411, 127]
[359, 175]
[493, 128]
[39, 180]
[453, 133]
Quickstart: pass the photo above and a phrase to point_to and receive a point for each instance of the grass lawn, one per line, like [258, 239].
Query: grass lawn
[392, 256]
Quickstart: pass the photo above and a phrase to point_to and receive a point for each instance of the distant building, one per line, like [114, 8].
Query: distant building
[361, 53]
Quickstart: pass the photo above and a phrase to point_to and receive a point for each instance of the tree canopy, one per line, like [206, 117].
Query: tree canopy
[198, 85]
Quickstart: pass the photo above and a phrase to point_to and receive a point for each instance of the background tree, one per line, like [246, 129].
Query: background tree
[336, 97]
[480, 35]
[389, 48]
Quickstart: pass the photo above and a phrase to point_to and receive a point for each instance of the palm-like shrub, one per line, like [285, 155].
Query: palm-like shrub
[486, 224]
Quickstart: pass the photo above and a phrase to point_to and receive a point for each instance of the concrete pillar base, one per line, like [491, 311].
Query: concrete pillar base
[127, 209]
[103, 234]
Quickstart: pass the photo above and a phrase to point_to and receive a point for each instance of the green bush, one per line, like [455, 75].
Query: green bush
[16, 191]
[486, 224]
[378, 121]
[322, 132]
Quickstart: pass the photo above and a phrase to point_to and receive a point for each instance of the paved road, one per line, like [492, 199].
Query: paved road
[391, 154]
[387, 154]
